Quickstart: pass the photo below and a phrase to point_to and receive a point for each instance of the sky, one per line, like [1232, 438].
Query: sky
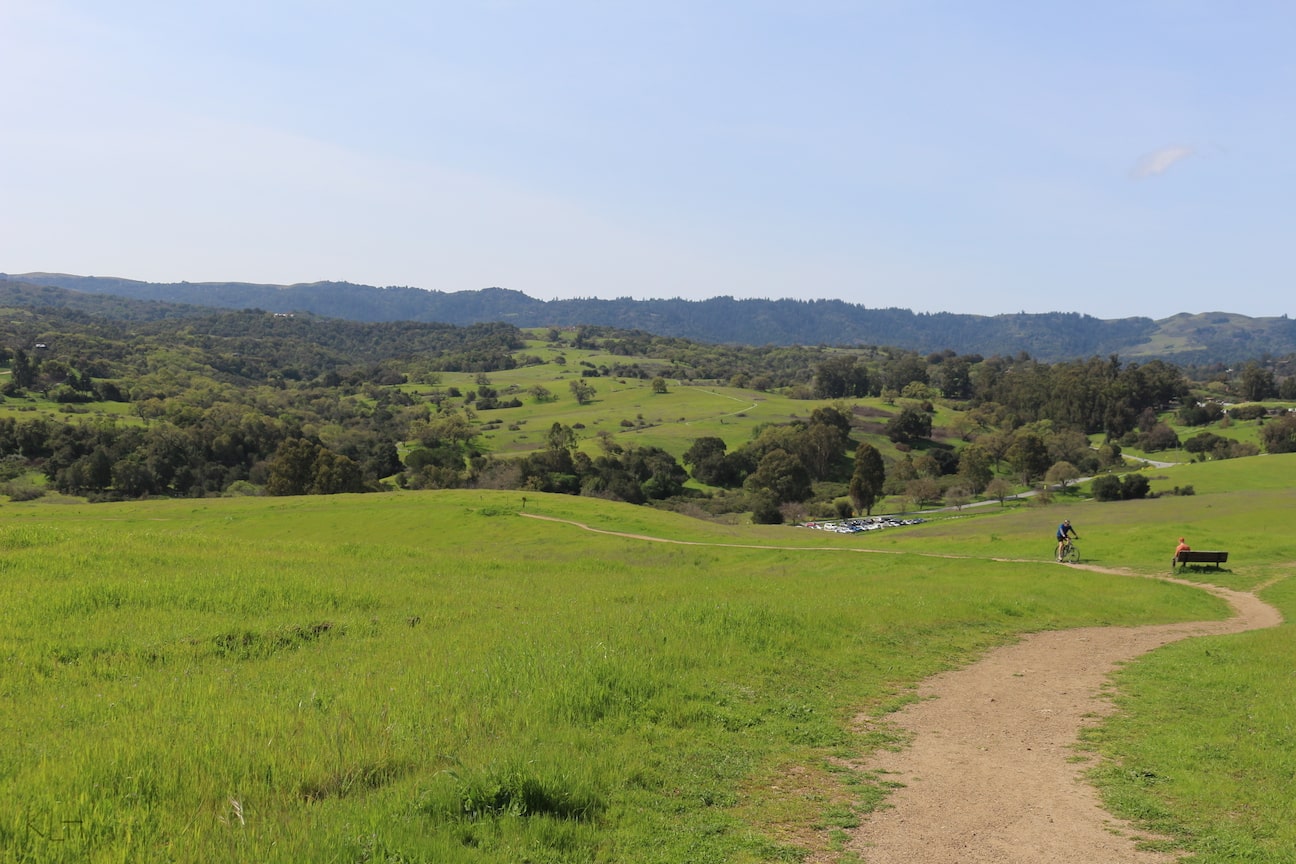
[972, 156]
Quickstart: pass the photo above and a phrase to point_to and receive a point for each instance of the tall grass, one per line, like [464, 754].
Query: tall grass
[430, 677]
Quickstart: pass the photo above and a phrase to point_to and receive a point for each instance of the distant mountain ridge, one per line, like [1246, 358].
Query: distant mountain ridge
[1206, 338]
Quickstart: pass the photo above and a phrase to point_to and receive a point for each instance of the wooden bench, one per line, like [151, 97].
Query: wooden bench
[1195, 557]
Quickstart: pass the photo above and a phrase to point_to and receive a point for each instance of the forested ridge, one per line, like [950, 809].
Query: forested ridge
[1061, 335]
[109, 398]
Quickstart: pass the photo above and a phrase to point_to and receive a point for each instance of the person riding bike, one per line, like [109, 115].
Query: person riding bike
[1062, 531]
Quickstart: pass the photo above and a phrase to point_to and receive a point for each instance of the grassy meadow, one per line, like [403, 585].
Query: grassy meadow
[625, 407]
[436, 677]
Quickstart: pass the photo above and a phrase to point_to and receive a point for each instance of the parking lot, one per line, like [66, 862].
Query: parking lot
[858, 524]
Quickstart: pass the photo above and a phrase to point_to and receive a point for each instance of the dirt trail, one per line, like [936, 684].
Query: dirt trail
[988, 777]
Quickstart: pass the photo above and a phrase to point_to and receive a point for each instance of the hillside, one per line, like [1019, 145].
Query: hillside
[1189, 339]
[434, 677]
[109, 398]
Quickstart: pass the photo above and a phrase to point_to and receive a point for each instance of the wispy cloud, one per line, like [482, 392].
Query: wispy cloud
[1159, 161]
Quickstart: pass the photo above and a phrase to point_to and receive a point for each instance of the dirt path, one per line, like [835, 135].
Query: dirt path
[988, 777]
[673, 542]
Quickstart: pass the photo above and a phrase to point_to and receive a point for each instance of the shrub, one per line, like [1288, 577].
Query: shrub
[1280, 436]
[1200, 415]
[1109, 487]
[1106, 488]
[1109, 454]
[909, 424]
[22, 490]
[1248, 412]
[765, 510]
[1202, 442]
[1230, 449]
[999, 489]
[1134, 486]
[1062, 474]
[63, 393]
[1159, 437]
[12, 467]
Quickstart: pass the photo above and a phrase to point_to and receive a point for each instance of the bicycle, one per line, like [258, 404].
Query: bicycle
[1070, 553]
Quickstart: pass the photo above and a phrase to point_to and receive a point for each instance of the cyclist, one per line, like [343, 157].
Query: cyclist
[1063, 530]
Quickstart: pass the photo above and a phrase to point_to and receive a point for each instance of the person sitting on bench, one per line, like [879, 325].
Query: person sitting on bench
[1182, 547]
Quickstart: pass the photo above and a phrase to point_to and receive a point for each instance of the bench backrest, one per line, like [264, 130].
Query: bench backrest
[1194, 555]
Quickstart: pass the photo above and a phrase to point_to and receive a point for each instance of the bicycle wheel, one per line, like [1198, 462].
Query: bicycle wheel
[1072, 555]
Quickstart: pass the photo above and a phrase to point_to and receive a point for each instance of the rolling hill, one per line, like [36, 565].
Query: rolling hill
[1215, 337]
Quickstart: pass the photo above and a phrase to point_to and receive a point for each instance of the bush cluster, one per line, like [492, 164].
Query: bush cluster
[1109, 487]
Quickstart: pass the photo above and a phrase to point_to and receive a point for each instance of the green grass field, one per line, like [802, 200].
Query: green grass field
[436, 677]
[625, 407]
[26, 408]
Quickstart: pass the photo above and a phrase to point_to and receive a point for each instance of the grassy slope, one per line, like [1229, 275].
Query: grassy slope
[432, 677]
[1205, 747]
[186, 635]
[1219, 781]
[626, 407]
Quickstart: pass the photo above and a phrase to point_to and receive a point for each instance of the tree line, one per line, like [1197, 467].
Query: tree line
[249, 401]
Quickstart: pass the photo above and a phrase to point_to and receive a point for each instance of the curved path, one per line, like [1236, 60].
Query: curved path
[988, 776]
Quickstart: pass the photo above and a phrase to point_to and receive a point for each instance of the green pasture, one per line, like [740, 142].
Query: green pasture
[25, 408]
[441, 677]
[627, 408]
[1244, 431]
[436, 677]
[1265, 472]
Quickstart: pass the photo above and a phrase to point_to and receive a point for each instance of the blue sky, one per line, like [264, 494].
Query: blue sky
[1111, 158]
